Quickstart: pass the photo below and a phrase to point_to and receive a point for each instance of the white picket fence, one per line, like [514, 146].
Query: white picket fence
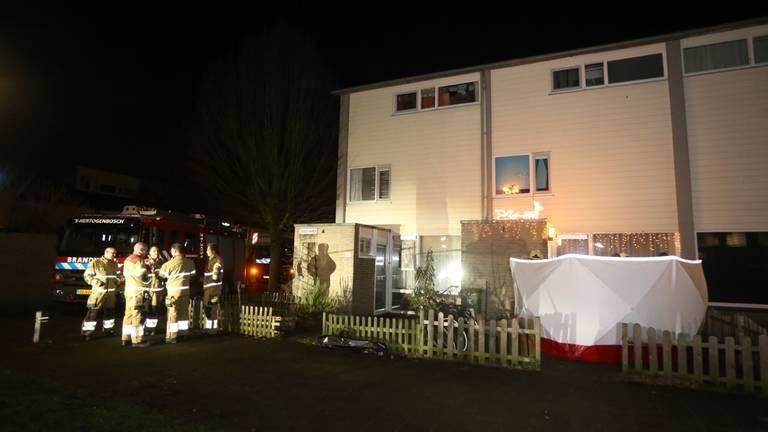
[514, 343]
[700, 360]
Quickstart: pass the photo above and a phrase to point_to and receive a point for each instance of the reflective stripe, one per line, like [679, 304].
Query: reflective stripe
[211, 284]
[135, 289]
[173, 327]
[183, 325]
[138, 272]
[215, 324]
[178, 288]
[208, 324]
[156, 289]
[151, 323]
[104, 276]
[108, 324]
[139, 331]
[102, 289]
[128, 330]
[89, 325]
[178, 275]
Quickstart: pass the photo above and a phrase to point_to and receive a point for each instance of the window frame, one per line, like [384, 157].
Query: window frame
[532, 157]
[750, 56]
[436, 92]
[377, 178]
[578, 68]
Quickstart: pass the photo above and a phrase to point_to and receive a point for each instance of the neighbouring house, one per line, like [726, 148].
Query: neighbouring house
[641, 148]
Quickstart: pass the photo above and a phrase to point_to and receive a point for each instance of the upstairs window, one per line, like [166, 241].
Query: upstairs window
[369, 184]
[458, 94]
[636, 68]
[428, 98]
[523, 174]
[594, 75]
[406, 102]
[760, 45]
[565, 79]
[716, 56]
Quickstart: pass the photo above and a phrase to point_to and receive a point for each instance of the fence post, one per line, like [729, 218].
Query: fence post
[698, 360]
[481, 342]
[637, 346]
[730, 362]
[451, 340]
[714, 359]
[324, 328]
[746, 359]
[537, 337]
[515, 342]
[420, 332]
[653, 361]
[624, 348]
[503, 354]
[682, 354]
[666, 339]
[763, 342]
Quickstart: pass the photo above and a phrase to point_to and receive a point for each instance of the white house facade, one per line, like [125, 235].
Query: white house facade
[654, 146]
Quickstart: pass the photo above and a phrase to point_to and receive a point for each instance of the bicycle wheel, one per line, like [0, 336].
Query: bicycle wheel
[462, 341]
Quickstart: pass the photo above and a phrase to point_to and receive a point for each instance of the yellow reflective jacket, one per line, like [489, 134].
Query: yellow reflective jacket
[136, 274]
[214, 272]
[102, 274]
[178, 274]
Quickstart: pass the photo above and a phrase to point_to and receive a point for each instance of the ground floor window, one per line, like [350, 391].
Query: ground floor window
[735, 266]
[446, 251]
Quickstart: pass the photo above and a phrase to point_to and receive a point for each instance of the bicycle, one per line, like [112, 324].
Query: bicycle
[460, 340]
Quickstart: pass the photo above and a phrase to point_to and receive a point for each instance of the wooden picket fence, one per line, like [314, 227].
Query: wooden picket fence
[698, 360]
[282, 303]
[514, 343]
[237, 318]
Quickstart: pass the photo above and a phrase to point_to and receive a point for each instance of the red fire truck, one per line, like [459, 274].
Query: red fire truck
[84, 239]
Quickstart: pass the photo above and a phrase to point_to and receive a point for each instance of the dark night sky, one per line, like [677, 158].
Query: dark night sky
[85, 86]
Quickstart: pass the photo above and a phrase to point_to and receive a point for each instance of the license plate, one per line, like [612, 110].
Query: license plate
[84, 292]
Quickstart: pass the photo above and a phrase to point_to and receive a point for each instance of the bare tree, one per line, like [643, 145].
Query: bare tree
[267, 154]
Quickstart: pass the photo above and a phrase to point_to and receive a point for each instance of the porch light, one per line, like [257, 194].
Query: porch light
[551, 233]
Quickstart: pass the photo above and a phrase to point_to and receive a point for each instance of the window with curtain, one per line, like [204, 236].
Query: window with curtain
[566, 79]
[716, 56]
[362, 184]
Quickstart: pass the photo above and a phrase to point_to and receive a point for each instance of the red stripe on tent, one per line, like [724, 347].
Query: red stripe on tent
[587, 353]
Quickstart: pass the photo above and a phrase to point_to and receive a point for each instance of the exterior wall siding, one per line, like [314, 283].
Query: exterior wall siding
[728, 140]
[434, 158]
[611, 147]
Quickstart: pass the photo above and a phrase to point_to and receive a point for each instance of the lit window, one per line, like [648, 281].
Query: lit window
[428, 98]
[458, 94]
[515, 174]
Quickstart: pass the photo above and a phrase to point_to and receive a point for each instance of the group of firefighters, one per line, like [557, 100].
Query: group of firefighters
[150, 280]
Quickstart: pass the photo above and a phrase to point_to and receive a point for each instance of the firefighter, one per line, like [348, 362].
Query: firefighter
[212, 283]
[136, 276]
[156, 294]
[177, 272]
[102, 276]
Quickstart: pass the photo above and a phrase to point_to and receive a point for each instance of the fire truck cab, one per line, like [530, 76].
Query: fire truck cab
[84, 239]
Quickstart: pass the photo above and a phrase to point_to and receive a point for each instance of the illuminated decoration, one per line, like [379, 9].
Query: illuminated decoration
[636, 244]
[511, 190]
[551, 233]
[508, 214]
[254, 238]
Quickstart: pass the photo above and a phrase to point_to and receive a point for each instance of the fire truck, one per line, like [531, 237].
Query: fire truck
[84, 239]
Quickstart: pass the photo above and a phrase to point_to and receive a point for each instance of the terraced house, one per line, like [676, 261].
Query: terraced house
[646, 147]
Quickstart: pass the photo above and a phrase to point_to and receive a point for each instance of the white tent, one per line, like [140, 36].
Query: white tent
[582, 300]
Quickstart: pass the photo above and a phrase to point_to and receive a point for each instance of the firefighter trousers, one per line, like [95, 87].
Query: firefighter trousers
[154, 308]
[133, 328]
[178, 314]
[212, 306]
[100, 302]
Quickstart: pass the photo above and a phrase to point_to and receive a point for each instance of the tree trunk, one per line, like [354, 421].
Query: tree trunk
[275, 259]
